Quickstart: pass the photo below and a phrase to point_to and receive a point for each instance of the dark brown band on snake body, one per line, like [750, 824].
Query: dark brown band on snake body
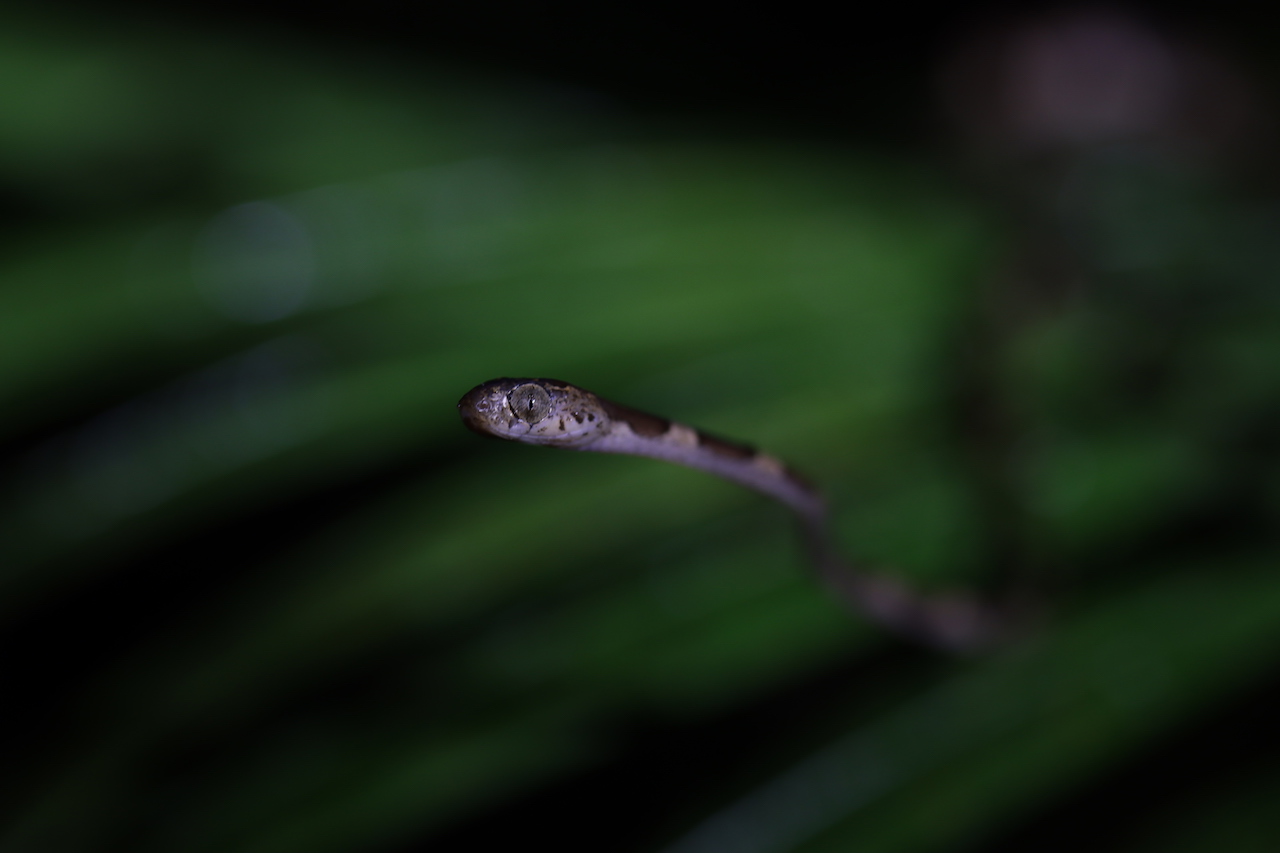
[641, 423]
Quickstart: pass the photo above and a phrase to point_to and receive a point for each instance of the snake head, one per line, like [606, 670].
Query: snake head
[534, 411]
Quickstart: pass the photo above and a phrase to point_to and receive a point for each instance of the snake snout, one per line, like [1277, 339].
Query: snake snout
[473, 409]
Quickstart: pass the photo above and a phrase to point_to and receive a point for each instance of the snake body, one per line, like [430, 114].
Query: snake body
[557, 414]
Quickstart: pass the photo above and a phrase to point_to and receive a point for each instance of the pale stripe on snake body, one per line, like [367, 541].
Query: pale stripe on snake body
[558, 414]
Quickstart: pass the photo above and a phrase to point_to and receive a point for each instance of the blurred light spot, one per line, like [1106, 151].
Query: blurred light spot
[1089, 77]
[255, 263]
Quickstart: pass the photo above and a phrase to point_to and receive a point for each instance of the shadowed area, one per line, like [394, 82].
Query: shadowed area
[1004, 288]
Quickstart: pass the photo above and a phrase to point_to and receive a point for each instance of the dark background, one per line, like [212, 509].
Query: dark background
[1141, 708]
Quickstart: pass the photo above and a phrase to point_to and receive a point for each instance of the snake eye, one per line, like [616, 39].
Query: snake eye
[531, 403]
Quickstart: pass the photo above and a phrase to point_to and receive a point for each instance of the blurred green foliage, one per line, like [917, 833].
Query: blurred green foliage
[263, 593]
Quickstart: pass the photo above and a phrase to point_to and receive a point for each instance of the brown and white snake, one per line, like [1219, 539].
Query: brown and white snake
[557, 414]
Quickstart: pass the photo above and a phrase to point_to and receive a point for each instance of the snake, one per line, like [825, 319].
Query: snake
[552, 413]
